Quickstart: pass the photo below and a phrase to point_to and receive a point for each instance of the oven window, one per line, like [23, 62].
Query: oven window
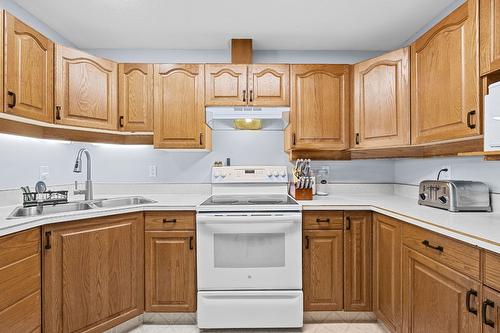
[249, 250]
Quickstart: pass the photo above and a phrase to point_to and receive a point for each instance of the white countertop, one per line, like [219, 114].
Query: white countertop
[480, 229]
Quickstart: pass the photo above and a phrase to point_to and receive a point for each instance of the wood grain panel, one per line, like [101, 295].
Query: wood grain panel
[170, 271]
[175, 220]
[457, 255]
[381, 101]
[86, 89]
[179, 113]
[323, 220]
[135, 97]
[269, 85]
[489, 35]
[24, 316]
[241, 51]
[29, 61]
[226, 85]
[18, 246]
[491, 270]
[445, 88]
[93, 273]
[387, 256]
[319, 107]
[434, 297]
[323, 270]
[358, 261]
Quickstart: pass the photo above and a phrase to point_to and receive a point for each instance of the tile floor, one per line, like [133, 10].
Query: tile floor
[308, 328]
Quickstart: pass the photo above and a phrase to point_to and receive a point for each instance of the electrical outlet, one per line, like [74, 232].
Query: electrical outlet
[152, 171]
[44, 172]
[446, 175]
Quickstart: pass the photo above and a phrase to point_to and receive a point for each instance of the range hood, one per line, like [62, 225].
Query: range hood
[247, 118]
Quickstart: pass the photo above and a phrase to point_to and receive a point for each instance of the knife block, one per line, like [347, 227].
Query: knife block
[302, 193]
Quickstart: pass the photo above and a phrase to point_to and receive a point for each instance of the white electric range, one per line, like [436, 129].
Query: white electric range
[249, 251]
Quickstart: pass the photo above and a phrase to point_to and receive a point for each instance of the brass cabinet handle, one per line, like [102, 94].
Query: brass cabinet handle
[191, 243]
[357, 138]
[470, 293]
[48, 235]
[121, 121]
[487, 321]
[307, 242]
[439, 248]
[244, 95]
[13, 104]
[58, 112]
[470, 114]
[169, 221]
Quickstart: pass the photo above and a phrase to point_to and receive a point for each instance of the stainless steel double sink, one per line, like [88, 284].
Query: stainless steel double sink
[21, 212]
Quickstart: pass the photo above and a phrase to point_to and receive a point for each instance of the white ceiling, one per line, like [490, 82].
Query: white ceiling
[210, 24]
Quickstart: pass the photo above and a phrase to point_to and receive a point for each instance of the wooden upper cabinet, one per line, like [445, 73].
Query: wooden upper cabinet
[358, 261]
[387, 254]
[179, 112]
[381, 98]
[269, 85]
[323, 270]
[86, 90]
[29, 63]
[444, 79]
[135, 97]
[319, 107]
[489, 41]
[93, 273]
[438, 299]
[226, 85]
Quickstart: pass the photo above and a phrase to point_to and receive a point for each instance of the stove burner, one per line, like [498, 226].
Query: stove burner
[265, 202]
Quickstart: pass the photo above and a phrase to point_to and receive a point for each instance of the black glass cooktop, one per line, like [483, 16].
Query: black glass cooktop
[253, 200]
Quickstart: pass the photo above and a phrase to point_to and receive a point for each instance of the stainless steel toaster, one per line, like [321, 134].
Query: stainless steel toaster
[455, 195]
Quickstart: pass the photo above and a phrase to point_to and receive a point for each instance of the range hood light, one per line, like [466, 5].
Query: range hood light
[247, 118]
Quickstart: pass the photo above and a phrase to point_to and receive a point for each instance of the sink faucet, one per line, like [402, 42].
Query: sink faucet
[89, 193]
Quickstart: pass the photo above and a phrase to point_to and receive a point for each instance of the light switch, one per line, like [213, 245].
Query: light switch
[152, 171]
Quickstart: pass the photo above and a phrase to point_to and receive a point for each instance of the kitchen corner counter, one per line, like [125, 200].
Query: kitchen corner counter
[480, 229]
[163, 202]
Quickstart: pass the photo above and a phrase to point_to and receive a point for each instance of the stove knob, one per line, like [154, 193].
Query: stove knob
[423, 196]
[223, 174]
[269, 173]
[443, 200]
[283, 173]
[276, 173]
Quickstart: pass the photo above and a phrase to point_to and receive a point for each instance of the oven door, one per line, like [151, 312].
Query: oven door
[249, 251]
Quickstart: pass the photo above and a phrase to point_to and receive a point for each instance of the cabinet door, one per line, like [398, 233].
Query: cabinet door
[444, 80]
[320, 106]
[170, 271]
[387, 245]
[226, 85]
[29, 61]
[382, 101]
[135, 97]
[322, 270]
[269, 85]
[93, 273]
[179, 114]
[489, 25]
[490, 311]
[436, 298]
[86, 90]
[358, 261]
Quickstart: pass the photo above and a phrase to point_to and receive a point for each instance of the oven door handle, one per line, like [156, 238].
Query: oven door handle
[238, 219]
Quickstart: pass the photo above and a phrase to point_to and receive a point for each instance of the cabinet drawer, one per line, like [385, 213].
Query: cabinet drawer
[455, 254]
[321, 220]
[175, 220]
[491, 270]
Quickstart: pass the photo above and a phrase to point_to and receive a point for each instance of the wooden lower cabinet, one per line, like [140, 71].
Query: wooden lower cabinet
[323, 270]
[490, 311]
[358, 261]
[387, 247]
[93, 273]
[20, 279]
[170, 271]
[436, 298]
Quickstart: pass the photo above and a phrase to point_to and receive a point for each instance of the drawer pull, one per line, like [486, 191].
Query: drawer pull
[348, 223]
[470, 293]
[191, 243]
[487, 321]
[169, 221]
[48, 235]
[307, 242]
[327, 220]
[437, 248]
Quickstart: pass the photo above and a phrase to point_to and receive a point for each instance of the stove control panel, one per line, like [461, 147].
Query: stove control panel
[249, 174]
